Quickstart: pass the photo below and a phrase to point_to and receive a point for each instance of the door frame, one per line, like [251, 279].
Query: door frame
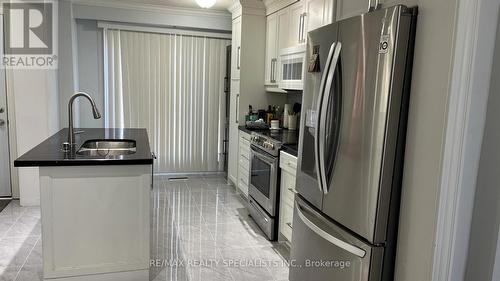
[11, 124]
[467, 103]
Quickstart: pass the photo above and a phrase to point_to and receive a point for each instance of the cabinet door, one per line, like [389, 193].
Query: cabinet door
[283, 28]
[233, 133]
[271, 49]
[236, 49]
[318, 13]
[296, 24]
[349, 8]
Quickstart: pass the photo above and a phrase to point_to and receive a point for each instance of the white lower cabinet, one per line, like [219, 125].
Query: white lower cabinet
[288, 166]
[96, 222]
[243, 163]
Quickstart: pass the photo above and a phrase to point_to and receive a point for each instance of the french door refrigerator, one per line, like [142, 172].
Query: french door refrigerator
[351, 147]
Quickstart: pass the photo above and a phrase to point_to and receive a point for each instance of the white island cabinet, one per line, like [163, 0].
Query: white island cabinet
[95, 205]
[95, 220]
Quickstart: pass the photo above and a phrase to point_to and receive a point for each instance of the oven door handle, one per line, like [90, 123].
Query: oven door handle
[269, 160]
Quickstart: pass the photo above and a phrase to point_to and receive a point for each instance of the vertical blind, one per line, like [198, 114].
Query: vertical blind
[173, 85]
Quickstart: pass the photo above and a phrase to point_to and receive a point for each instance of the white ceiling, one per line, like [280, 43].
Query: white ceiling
[219, 4]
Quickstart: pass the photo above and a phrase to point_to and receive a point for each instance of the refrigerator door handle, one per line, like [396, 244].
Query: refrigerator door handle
[323, 114]
[328, 237]
[318, 111]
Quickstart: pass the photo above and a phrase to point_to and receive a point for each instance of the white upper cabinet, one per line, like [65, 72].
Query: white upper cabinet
[236, 49]
[297, 30]
[317, 13]
[283, 28]
[287, 26]
[350, 8]
[272, 42]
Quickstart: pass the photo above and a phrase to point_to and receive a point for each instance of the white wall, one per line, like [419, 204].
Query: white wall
[36, 114]
[486, 217]
[425, 137]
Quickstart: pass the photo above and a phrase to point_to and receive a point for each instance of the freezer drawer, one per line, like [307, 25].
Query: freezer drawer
[323, 251]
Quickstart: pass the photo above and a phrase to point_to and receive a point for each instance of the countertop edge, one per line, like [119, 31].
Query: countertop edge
[51, 163]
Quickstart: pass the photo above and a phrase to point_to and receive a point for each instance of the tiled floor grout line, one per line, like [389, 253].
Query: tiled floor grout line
[17, 219]
[26, 259]
[5, 234]
[219, 250]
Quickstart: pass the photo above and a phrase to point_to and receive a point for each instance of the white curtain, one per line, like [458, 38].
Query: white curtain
[173, 85]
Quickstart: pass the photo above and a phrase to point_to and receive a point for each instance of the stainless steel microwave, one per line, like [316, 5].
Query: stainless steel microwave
[291, 71]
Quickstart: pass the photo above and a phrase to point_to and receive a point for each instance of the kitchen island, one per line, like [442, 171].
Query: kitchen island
[94, 201]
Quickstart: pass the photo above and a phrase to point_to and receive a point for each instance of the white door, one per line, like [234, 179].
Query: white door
[5, 188]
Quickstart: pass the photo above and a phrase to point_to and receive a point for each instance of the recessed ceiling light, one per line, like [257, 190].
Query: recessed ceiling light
[205, 3]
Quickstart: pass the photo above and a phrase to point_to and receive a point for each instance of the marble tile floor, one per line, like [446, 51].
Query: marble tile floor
[200, 230]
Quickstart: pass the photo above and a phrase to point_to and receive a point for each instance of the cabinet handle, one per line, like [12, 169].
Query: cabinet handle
[238, 57]
[273, 70]
[291, 165]
[300, 27]
[289, 225]
[292, 190]
[237, 108]
[304, 27]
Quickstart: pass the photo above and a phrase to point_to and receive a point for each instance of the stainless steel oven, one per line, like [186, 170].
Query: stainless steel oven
[263, 183]
[263, 179]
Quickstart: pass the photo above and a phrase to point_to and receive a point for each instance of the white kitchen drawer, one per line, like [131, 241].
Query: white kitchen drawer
[243, 185]
[245, 151]
[288, 163]
[286, 220]
[287, 187]
[244, 163]
[245, 136]
[243, 174]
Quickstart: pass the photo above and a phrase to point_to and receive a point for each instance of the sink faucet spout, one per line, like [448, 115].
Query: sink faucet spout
[95, 112]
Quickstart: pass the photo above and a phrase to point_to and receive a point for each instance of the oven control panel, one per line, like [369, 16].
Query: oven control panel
[267, 144]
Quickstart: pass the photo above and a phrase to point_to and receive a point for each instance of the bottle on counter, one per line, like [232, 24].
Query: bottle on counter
[269, 115]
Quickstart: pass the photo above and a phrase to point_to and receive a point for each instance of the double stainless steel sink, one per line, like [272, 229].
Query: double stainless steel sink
[96, 148]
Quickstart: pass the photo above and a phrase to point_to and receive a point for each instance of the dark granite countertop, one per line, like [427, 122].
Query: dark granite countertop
[292, 149]
[49, 152]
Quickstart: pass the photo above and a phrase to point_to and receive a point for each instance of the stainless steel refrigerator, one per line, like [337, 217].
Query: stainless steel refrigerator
[351, 147]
